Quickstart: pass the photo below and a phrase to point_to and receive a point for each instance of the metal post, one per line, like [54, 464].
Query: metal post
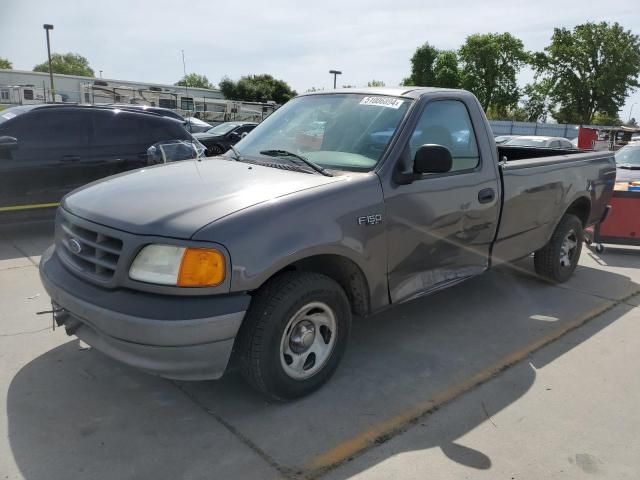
[335, 74]
[48, 27]
[631, 110]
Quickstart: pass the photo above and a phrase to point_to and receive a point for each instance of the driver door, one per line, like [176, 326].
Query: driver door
[441, 226]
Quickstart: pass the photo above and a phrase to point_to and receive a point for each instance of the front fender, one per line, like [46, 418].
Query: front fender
[266, 238]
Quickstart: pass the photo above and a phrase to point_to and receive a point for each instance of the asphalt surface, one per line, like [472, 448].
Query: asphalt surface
[504, 376]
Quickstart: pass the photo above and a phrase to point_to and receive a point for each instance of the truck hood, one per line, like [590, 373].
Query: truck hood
[177, 199]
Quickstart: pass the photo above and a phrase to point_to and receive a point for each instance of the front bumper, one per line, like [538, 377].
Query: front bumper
[179, 337]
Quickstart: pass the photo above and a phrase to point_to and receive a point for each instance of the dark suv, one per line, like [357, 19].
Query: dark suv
[48, 150]
[218, 139]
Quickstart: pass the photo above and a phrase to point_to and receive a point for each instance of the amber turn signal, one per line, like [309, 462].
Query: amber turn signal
[201, 267]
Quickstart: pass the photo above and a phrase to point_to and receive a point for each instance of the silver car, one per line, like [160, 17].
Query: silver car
[628, 163]
[539, 141]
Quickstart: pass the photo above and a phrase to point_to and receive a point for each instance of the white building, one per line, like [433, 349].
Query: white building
[19, 87]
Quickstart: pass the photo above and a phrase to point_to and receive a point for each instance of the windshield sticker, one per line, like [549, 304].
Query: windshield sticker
[9, 115]
[382, 102]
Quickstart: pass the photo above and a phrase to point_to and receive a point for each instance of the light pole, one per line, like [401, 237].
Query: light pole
[335, 74]
[48, 27]
[631, 110]
[100, 73]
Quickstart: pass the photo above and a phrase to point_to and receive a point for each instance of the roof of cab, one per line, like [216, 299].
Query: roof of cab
[406, 91]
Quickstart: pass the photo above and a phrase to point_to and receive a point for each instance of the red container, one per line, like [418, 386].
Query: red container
[622, 225]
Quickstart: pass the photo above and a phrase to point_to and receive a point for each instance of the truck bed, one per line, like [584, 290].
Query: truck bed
[539, 185]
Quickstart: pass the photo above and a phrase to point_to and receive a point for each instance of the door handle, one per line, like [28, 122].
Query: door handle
[70, 158]
[486, 195]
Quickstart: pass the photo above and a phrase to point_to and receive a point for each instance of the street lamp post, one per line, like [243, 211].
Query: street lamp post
[335, 74]
[48, 27]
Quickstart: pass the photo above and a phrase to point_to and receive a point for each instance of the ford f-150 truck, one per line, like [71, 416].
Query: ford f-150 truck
[341, 203]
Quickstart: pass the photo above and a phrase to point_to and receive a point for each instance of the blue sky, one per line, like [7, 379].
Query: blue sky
[296, 41]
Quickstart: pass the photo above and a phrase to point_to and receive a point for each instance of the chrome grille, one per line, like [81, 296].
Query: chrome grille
[98, 253]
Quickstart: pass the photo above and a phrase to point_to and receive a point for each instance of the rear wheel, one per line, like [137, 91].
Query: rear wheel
[294, 334]
[557, 260]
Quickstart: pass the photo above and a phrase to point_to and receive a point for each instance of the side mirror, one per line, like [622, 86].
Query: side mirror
[244, 134]
[234, 136]
[432, 158]
[8, 143]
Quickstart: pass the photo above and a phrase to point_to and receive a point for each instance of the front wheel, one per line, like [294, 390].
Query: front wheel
[557, 260]
[216, 150]
[294, 334]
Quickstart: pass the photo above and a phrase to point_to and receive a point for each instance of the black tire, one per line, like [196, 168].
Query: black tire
[262, 334]
[550, 261]
[215, 150]
[599, 248]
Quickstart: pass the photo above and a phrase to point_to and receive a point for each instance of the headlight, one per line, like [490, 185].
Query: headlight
[180, 266]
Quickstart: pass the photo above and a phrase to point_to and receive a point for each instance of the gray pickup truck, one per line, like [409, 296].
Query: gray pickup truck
[341, 203]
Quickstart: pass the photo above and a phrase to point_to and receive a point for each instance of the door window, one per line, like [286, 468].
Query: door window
[156, 130]
[186, 103]
[115, 128]
[245, 129]
[53, 129]
[447, 123]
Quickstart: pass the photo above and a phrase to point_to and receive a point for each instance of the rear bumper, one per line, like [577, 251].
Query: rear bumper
[186, 338]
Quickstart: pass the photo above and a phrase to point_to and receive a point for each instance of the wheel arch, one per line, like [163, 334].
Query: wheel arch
[344, 271]
[581, 208]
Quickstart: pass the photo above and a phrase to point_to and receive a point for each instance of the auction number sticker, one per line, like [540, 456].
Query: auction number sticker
[8, 115]
[388, 102]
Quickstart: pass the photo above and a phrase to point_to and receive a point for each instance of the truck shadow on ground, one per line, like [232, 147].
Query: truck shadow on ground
[70, 409]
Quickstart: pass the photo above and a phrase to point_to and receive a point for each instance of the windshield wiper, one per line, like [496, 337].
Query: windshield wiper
[286, 154]
[629, 166]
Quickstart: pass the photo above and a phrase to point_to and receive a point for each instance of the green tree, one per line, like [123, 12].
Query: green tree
[67, 64]
[375, 83]
[604, 118]
[490, 65]
[422, 63]
[6, 64]
[590, 71]
[446, 72]
[194, 80]
[535, 102]
[257, 88]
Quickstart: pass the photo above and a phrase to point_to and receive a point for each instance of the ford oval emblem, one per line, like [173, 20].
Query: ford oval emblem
[74, 246]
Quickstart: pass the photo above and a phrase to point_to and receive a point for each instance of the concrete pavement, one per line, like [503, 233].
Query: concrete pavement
[73, 413]
[575, 417]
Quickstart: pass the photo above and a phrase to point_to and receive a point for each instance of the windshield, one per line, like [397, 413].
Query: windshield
[527, 142]
[336, 131]
[222, 129]
[629, 155]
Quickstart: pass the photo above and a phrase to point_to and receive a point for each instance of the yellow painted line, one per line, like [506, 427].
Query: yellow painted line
[394, 425]
[15, 208]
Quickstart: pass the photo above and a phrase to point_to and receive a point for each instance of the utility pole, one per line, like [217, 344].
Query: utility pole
[335, 74]
[48, 27]
[631, 111]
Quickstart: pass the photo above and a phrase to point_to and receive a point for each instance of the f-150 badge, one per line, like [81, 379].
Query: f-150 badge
[370, 219]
